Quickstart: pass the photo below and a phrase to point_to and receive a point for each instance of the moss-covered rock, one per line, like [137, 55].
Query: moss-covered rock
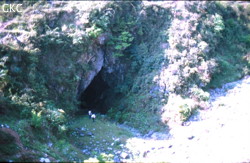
[10, 144]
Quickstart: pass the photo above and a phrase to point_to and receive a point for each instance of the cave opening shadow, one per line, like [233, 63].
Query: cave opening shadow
[94, 97]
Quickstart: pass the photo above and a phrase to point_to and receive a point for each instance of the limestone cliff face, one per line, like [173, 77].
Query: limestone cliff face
[49, 47]
[96, 63]
[53, 52]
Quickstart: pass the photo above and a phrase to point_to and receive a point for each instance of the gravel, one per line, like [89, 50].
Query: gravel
[218, 134]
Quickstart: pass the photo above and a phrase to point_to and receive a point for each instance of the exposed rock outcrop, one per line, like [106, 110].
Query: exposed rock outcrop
[10, 144]
[96, 63]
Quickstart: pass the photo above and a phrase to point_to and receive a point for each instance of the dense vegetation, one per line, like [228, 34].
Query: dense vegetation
[159, 62]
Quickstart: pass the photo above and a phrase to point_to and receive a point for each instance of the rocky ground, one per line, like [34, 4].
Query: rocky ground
[219, 134]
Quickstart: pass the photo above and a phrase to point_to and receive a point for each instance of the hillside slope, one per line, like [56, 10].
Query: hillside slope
[150, 70]
[218, 134]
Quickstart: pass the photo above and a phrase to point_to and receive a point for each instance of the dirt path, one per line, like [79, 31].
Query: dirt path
[219, 134]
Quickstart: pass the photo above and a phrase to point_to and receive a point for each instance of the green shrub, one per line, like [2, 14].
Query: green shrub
[3, 73]
[22, 127]
[62, 129]
[246, 39]
[94, 31]
[56, 119]
[185, 112]
[199, 95]
[121, 42]
[218, 23]
[36, 119]
[117, 115]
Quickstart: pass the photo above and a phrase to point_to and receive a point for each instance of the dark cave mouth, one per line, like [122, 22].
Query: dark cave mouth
[95, 95]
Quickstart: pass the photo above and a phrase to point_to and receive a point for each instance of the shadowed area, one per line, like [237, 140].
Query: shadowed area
[93, 98]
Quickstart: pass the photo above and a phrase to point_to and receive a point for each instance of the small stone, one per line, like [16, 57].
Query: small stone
[124, 155]
[90, 134]
[116, 159]
[44, 160]
[185, 123]
[145, 153]
[149, 134]
[117, 152]
[161, 147]
[191, 137]
[50, 144]
[109, 148]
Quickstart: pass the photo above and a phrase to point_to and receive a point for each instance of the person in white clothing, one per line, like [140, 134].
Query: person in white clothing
[93, 117]
[90, 113]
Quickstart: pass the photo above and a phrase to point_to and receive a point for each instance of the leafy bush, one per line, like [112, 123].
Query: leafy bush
[3, 73]
[120, 43]
[185, 112]
[199, 95]
[178, 109]
[56, 119]
[196, 59]
[36, 119]
[246, 39]
[22, 127]
[119, 116]
[94, 31]
[62, 129]
[218, 23]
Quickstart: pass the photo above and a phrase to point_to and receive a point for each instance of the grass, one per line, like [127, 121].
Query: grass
[99, 136]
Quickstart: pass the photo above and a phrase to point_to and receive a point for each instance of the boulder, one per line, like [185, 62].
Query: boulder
[10, 143]
[124, 155]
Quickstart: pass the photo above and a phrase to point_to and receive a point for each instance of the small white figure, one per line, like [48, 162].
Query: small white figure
[93, 117]
[90, 113]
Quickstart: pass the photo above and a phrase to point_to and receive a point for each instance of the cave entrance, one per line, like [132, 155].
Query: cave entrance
[94, 97]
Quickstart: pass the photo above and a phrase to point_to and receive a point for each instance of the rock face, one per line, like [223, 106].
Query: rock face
[96, 64]
[59, 48]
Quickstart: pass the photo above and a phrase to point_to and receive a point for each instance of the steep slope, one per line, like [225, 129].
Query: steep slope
[218, 134]
[151, 69]
[197, 49]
